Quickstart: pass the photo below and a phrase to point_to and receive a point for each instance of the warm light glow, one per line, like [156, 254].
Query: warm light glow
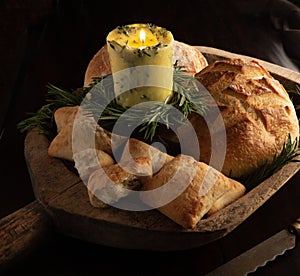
[142, 36]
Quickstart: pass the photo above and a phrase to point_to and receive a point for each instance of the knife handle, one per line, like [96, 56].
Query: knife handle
[295, 227]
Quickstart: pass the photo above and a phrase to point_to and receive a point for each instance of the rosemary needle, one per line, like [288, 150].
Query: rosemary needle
[289, 152]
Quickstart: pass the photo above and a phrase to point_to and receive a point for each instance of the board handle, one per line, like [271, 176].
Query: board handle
[22, 231]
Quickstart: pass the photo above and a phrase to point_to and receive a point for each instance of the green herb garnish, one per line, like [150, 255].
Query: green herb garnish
[289, 152]
[43, 119]
[186, 98]
[295, 98]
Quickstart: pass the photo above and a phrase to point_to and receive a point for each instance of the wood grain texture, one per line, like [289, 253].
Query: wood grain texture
[66, 200]
[22, 231]
[47, 184]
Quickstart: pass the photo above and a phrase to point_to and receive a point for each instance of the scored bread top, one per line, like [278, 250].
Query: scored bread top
[257, 111]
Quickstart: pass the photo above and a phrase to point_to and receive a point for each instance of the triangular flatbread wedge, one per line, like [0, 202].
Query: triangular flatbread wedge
[64, 116]
[61, 145]
[191, 193]
[236, 190]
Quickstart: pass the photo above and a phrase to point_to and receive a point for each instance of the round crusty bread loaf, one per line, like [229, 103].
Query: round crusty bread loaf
[257, 112]
[188, 56]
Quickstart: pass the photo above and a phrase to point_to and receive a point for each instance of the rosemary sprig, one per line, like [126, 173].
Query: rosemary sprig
[101, 103]
[156, 114]
[289, 152]
[187, 94]
[43, 119]
[186, 98]
[295, 98]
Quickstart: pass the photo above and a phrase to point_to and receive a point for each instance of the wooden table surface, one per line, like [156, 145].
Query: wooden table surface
[52, 42]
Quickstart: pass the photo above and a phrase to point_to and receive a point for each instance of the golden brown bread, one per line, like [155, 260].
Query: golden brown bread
[89, 160]
[62, 145]
[196, 190]
[189, 57]
[64, 116]
[111, 183]
[257, 112]
[236, 190]
[135, 148]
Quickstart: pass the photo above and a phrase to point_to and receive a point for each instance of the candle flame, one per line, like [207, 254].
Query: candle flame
[142, 36]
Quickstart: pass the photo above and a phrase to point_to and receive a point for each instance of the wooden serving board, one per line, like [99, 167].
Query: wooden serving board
[63, 197]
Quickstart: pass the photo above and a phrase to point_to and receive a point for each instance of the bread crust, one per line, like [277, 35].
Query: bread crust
[61, 145]
[205, 186]
[114, 182]
[236, 190]
[135, 148]
[257, 112]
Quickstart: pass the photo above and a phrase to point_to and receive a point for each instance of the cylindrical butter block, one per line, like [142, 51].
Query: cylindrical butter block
[141, 59]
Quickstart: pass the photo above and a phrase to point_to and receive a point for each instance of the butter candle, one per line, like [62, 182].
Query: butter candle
[146, 50]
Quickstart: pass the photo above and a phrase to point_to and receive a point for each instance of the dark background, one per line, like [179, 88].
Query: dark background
[49, 41]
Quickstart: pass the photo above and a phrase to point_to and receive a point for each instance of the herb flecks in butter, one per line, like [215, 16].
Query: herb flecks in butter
[138, 45]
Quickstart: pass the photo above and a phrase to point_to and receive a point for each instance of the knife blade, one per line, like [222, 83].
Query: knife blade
[260, 254]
